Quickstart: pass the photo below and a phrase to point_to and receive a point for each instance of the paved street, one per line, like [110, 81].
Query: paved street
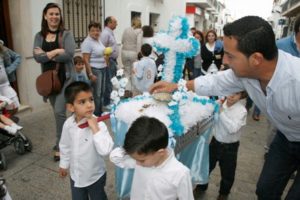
[34, 176]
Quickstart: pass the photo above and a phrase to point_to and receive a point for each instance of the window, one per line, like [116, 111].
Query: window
[77, 15]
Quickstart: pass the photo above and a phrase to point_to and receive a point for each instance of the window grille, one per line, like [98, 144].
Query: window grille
[77, 15]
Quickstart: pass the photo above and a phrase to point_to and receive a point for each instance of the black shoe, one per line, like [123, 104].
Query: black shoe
[199, 190]
[56, 156]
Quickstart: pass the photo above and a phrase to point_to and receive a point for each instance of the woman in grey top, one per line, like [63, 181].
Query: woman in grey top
[48, 52]
[131, 45]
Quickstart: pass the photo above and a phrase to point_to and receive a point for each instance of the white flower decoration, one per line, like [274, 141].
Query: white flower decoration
[160, 67]
[146, 94]
[181, 84]
[116, 100]
[123, 82]
[115, 82]
[172, 103]
[113, 94]
[120, 72]
[177, 96]
[121, 92]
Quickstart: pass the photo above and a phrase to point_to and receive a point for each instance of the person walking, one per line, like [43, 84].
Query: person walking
[131, 46]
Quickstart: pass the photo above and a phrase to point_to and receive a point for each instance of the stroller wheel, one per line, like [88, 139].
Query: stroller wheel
[19, 146]
[28, 145]
[3, 164]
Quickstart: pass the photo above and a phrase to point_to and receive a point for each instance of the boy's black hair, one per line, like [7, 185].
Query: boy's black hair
[148, 31]
[77, 59]
[145, 136]
[146, 49]
[74, 89]
[253, 34]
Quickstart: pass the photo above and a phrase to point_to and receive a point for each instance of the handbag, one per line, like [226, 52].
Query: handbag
[48, 83]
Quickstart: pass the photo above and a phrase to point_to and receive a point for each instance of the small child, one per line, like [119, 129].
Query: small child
[82, 150]
[224, 145]
[158, 174]
[79, 69]
[7, 124]
[144, 70]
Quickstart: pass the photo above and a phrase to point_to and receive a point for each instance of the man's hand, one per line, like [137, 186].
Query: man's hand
[163, 86]
[63, 172]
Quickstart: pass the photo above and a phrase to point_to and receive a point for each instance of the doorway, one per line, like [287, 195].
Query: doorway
[154, 21]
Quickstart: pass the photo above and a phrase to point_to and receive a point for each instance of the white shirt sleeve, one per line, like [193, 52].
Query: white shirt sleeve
[103, 141]
[233, 123]
[86, 46]
[65, 148]
[223, 83]
[185, 188]
[119, 157]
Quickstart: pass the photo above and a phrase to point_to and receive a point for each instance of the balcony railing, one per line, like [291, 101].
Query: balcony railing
[289, 4]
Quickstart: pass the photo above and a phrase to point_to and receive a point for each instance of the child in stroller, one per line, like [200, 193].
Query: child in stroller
[10, 132]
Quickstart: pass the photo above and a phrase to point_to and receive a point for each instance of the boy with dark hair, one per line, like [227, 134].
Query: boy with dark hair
[82, 150]
[224, 145]
[144, 70]
[156, 168]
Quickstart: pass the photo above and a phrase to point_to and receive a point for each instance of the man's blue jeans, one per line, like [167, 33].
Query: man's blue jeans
[99, 88]
[111, 72]
[282, 160]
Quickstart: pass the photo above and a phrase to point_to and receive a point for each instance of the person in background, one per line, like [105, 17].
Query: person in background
[8, 64]
[144, 70]
[256, 110]
[82, 149]
[12, 61]
[225, 143]
[291, 43]
[92, 50]
[157, 170]
[80, 72]
[197, 59]
[148, 34]
[270, 77]
[211, 53]
[131, 45]
[108, 40]
[49, 50]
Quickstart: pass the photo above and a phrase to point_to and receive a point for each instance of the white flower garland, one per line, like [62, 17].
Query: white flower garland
[119, 83]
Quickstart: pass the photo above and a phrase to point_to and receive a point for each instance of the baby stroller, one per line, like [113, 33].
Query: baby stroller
[21, 143]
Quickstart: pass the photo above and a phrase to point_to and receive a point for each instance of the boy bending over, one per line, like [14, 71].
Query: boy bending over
[158, 174]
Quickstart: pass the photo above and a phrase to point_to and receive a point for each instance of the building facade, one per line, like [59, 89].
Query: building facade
[22, 20]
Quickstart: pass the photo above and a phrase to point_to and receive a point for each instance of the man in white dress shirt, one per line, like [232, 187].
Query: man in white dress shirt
[271, 78]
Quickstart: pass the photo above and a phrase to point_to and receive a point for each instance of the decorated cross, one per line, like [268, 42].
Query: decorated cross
[176, 45]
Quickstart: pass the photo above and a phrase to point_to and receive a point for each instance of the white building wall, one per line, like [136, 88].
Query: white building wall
[121, 10]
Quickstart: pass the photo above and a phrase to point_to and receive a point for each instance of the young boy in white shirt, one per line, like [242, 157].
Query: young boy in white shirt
[82, 149]
[158, 174]
[224, 145]
[144, 70]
